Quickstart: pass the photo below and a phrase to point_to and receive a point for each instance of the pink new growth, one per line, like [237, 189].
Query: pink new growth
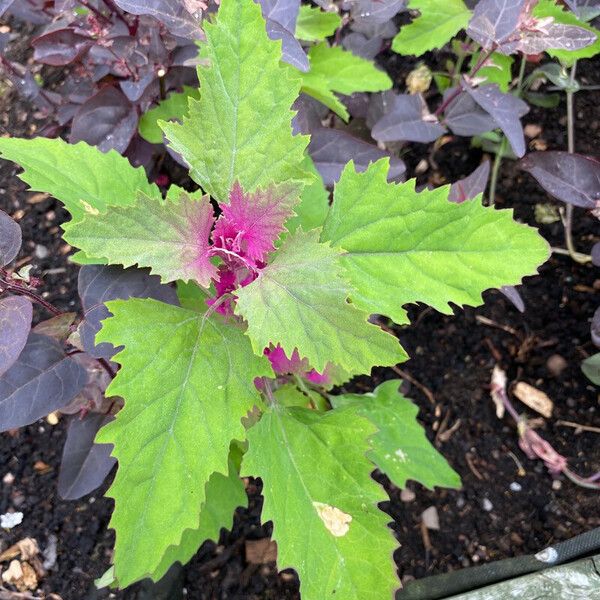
[282, 365]
[250, 223]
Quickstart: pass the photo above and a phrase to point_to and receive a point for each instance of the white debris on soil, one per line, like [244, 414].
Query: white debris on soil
[430, 518]
[487, 505]
[407, 495]
[50, 552]
[515, 487]
[11, 519]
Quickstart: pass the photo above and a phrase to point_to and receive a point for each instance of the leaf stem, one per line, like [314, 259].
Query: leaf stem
[568, 221]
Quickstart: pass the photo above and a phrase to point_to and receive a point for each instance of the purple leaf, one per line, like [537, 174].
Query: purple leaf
[26, 85]
[60, 47]
[360, 45]
[506, 111]
[84, 464]
[332, 149]
[5, 5]
[98, 284]
[465, 117]
[30, 11]
[596, 254]
[134, 90]
[555, 36]
[494, 21]
[107, 120]
[470, 186]
[572, 178]
[41, 381]
[377, 11]
[595, 330]
[408, 120]
[513, 295]
[10, 239]
[379, 106]
[176, 18]
[281, 16]
[586, 10]
[15, 322]
[309, 115]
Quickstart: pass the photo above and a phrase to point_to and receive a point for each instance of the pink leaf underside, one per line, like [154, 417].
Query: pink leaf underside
[251, 223]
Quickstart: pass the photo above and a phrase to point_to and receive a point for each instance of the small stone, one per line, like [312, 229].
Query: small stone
[460, 502]
[8, 479]
[407, 495]
[11, 519]
[41, 252]
[421, 167]
[430, 518]
[487, 505]
[556, 364]
[556, 485]
[515, 487]
[532, 131]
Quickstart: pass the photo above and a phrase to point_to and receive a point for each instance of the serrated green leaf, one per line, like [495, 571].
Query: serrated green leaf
[591, 368]
[170, 236]
[224, 494]
[187, 382]
[333, 69]
[404, 247]
[500, 71]
[299, 301]
[323, 503]
[314, 24]
[438, 22]
[400, 447]
[173, 108]
[548, 8]
[78, 175]
[192, 296]
[240, 129]
[314, 203]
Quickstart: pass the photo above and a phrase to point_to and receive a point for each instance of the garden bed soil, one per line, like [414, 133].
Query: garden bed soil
[452, 356]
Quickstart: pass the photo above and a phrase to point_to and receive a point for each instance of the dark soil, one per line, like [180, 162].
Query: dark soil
[451, 356]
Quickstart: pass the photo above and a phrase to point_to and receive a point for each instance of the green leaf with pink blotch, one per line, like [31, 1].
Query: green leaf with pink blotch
[170, 236]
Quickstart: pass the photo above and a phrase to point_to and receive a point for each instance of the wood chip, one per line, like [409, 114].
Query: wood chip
[37, 198]
[534, 398]
[259, 552]
[25, 548]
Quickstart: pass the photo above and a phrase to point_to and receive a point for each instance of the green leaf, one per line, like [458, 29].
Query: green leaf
[240, 129]
[333, 69]
[400, 447]
[547, 8]
[314, 203]
[170, 236]
[289, 395]
[591, 368]
[187, 382]
[323, 503]
[299, 301]
[78, 175]
[500, 71]
[314, 24]
[173, 108]
[192, 296]
[404, 247]
[223, 495]
[436, 25]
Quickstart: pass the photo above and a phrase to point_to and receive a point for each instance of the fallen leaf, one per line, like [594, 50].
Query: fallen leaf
[13, 574]
[259, 552]
[26, 548]
[534, 398]
[29, 581]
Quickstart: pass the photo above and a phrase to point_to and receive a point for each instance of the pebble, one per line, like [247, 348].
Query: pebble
[11, 519]
[556, 364]
[8, 479]
[41, 252]
[515, 487]
[556, 485]
[430, 517]
[487, 505]
[407, 495]
[460, 502]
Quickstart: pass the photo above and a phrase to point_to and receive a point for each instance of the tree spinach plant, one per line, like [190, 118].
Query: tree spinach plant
[274, 298]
